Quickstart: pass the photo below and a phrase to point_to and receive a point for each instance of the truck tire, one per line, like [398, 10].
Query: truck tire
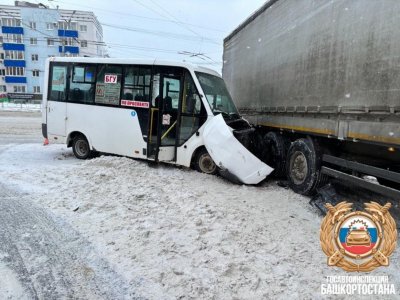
[276, 147]
[303, 166]
[204, 163]
[81, 147]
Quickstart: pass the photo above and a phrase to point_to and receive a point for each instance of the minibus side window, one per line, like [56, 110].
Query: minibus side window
[58, 83]
[136, 93]
[81, 88]
[194, 114]
[108, 84]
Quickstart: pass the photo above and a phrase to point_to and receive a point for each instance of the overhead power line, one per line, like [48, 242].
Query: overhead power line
[162, 33]
[122, 13]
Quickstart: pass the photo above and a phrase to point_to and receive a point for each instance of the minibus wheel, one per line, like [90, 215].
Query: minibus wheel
[81, 147]
[204, 163]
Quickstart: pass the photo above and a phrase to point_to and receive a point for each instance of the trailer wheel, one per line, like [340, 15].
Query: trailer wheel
[80, 147]
[303, 166]
[204, 163]
[275, 152]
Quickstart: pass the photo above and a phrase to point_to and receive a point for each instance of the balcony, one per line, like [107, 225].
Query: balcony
[14, 63]
[67, 33]
[70, 49]
[12, 46]
[15, 79]
[12, 30]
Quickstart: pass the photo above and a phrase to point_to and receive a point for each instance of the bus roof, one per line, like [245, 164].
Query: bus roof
[132, 61]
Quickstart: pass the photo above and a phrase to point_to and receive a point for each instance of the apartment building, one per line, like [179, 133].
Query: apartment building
[32, 32]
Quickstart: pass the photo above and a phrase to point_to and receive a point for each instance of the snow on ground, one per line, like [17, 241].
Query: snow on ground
[181, 234]
[11, 288]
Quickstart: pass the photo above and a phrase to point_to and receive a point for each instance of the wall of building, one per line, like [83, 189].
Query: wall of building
[42, 33]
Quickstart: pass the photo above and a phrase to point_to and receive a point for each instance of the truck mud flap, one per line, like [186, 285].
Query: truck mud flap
[237, 164]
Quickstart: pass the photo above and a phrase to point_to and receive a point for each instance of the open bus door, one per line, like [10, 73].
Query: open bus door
[165, 114]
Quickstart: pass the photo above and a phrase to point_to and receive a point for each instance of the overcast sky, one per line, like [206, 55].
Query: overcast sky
[172, 26]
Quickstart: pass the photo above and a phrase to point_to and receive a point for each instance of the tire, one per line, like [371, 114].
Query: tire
[276, 147]
[204, 163]
[81, 147]
[303, 168]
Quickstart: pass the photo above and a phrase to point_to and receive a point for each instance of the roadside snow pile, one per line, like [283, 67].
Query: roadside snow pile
[180, 233]
[9, 106]
[10, 288]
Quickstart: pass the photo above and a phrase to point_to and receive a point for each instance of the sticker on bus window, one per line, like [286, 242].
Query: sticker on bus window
[110, 78]
[130, 103]
[166, 119]
[100, 90]
[59, 79]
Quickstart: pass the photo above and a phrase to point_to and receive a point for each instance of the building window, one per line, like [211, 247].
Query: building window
[19, 89]
[3, 88]
[32, 25]
[83, 44]
[13, 38]
[50, 26]
[11, 22]
[67, 25]
[1, 39]
[50, 42]
[35, 73]
[35, 57]
[15, 71]
[33, 41]
[83, 28]
[2, 72]
[1, 55]
[36, 89]
[14, 54]
[67, 42]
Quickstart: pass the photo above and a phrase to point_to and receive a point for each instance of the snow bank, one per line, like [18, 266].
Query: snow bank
[181, 234]
[8, 106]
[10, 287]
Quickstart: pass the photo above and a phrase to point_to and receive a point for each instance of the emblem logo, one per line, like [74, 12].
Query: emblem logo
[358, 241]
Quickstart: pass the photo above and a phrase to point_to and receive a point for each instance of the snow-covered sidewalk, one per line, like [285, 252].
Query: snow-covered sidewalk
[10, 106]
[179, 233]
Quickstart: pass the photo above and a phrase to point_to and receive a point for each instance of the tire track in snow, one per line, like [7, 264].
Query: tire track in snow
[51, 260]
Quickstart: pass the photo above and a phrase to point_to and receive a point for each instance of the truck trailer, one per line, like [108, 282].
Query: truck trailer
[320, 81]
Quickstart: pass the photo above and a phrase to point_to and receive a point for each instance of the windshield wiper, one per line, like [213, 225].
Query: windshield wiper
[224, 114]
[236, 115]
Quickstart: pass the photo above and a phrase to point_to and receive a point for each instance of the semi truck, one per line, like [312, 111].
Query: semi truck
[320, 81]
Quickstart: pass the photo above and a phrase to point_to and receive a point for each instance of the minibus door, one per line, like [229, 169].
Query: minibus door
[164, 118]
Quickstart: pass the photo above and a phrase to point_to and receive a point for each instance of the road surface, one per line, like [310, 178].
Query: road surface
[41, 256]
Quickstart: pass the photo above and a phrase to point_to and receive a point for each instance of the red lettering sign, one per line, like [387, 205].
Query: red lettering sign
[110, 78]
[140, 104]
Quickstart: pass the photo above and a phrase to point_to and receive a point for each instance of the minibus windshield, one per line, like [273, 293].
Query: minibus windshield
[217, 95]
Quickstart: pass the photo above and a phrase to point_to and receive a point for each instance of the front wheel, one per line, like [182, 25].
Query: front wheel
[204, 163]
[80, 147]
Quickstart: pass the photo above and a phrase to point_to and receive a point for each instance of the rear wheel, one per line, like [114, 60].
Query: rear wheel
[81, 147]
[275, 152]
[204, 163]
[303, 166]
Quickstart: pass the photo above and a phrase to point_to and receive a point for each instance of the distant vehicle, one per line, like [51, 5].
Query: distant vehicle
[141, 109]
[320, 81]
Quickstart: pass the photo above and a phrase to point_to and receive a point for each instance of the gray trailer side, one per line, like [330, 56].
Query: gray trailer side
[325, 67]
[321, 69]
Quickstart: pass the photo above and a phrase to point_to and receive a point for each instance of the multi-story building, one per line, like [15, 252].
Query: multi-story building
[30, 33]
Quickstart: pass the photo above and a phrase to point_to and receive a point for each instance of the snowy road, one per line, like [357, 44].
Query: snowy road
[49, 260]
[116, 228]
